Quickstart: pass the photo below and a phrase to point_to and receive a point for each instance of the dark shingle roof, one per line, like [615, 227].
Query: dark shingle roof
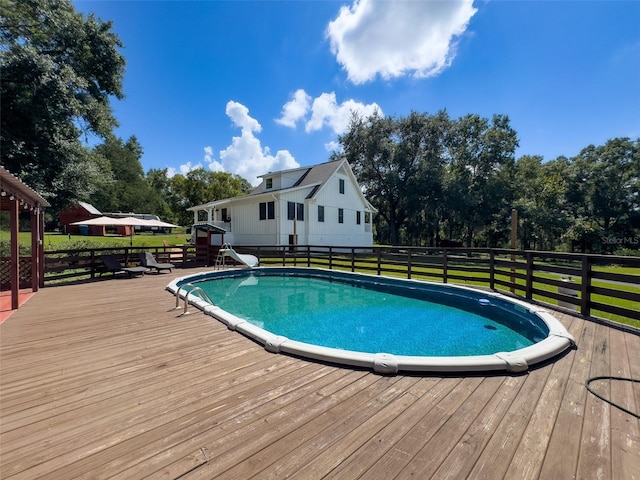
[310, 176]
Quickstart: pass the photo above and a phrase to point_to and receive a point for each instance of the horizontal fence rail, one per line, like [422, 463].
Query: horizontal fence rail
[600, 286]
[68, 265]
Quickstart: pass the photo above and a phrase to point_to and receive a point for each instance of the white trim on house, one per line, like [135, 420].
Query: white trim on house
[263, 217]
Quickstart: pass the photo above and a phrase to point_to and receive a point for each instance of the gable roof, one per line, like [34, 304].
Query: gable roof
[315, 177]
[90, 208]
[309, 176]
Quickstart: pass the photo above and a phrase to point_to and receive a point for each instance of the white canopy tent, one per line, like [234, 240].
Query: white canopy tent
[124, 222]
[104, 221]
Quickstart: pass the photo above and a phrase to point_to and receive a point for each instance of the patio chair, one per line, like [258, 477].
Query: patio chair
[113, 265]
[148, 260]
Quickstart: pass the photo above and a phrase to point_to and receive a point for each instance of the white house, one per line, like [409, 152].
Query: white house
[318, 205]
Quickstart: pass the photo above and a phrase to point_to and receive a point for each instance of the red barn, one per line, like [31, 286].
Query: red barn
[76, 213]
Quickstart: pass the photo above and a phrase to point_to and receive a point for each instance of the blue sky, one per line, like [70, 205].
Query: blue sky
[252, 87]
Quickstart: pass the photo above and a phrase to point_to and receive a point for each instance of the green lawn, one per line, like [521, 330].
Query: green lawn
[58, 241]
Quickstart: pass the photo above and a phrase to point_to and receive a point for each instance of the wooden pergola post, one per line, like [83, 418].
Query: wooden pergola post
[16, 197]
[14, 270]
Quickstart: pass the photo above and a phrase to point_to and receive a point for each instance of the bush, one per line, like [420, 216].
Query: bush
[5, 249]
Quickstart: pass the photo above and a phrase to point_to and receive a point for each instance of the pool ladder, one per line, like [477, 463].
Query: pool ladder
[189, 288]
[220, 257]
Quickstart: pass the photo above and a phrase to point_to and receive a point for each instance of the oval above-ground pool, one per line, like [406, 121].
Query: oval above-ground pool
[383, 323]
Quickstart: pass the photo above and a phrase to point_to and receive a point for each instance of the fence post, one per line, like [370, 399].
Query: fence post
[308, 256]
[492, 266]
[585, 303]
[529, 281]
[409, 264]
[330, 258]
[92, 258]
[353, 259]
[379, 261]
[444, 265]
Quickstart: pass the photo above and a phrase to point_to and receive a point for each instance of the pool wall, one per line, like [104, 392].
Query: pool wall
[557, 340]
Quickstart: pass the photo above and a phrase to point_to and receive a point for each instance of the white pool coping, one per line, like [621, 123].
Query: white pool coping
[558, 340]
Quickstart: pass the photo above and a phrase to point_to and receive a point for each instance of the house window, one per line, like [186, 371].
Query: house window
[358, 217]
[267, 211]
[295, 211]
[341, 215]
[341, 185]
[320, 213]
[269, 182]
[225, 215]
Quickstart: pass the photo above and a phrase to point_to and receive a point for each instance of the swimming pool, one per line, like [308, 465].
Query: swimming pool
[377, 322]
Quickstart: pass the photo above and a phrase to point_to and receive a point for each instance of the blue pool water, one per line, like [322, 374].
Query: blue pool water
[379, 315]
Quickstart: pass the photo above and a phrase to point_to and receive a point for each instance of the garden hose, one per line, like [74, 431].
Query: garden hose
[606, 377]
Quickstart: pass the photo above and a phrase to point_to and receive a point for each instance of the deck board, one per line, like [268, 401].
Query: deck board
[105, 379]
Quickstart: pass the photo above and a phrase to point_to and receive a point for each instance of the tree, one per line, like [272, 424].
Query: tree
[477, 180]
[59, 70]
[604, 194]
[160, 183]
[426, 139]
[398, 162]
[200, 186]
[540, 189]
[127, 189]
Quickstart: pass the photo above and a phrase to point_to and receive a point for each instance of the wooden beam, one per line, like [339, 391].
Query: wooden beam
[35, 250]
[41, 250]
[15, 252]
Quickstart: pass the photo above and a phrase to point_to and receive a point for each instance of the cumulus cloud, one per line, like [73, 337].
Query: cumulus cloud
[245, 156]
[324, 111]
[393, 39]
[295, 109]
[212, 163]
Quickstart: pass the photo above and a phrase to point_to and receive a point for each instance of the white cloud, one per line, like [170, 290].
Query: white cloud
[393, 39]
[245, 156]
[208, 154]
[295, 109]
[187, 167]
[324, 111]
[213, 164]
[333, 146]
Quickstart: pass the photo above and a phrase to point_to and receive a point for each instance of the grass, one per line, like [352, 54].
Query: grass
[59, 241]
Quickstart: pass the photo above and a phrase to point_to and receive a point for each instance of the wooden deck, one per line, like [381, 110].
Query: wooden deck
[104, 380]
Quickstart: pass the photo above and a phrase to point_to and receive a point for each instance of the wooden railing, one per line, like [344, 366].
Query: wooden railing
[593, 285]
[70, 265]
[600, 286]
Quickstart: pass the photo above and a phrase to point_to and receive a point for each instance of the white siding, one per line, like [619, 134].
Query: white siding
[331, 232]
[248, 229]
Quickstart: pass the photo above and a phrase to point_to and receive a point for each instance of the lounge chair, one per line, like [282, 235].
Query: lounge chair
[113, 265]
[148, 260]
